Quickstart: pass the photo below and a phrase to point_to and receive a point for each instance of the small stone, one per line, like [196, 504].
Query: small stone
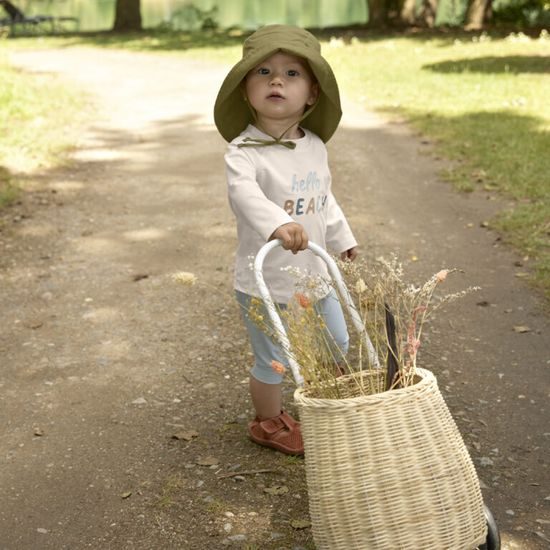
[485, 461]
[139, 401]
[207, 461]
[228, 527]
[300, 523]
[187, 435]
[42, 530]
[510, 512]
[238, 478]
[229, 514]
[237, 538]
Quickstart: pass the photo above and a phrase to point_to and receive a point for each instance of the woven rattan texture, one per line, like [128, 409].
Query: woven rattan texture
[390, 471]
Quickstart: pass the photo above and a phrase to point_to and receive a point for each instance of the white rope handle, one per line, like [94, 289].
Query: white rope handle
[343, 293]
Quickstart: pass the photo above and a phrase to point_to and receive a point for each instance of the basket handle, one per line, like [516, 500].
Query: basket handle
[343, 293]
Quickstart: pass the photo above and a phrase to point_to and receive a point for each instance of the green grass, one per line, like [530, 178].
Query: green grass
[485, 103]
[482, 99]
[38, 116]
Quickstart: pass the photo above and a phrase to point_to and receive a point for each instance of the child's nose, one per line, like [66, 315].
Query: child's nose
[276, 78]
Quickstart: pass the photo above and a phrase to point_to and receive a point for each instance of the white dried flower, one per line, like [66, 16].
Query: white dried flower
[360, 286]
[184, 278]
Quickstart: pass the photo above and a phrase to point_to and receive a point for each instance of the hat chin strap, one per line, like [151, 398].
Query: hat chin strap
[259, 142]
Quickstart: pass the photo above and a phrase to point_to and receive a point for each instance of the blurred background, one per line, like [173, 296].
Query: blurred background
[98, 15]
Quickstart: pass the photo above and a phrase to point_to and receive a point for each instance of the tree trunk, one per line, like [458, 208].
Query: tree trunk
[127, 16]
[478, 10]
[428, 13]
[407, 13]
[378, 13]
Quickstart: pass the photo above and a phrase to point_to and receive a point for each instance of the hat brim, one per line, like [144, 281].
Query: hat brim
[232, 114]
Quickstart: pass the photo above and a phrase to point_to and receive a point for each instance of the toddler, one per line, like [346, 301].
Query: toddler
[277, 108]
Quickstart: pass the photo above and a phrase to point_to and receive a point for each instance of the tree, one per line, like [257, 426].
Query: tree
[378, 12]
[428, 12]
[478, 12]
[407, 12]
[127, 16]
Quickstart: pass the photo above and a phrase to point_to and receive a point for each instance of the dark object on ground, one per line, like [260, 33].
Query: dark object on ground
[17, 21]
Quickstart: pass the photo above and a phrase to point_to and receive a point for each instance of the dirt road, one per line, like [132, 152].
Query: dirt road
[104, 359]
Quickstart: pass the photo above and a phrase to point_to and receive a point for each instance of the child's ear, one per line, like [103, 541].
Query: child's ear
[314, 94]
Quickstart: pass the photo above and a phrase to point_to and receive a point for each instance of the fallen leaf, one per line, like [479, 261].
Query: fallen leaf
[38, 432]
[186, 435]
[521, 274]
[300, 523]
[140, 276]
[207, 461]
[276, 490]
[127, 494]
[521, 329]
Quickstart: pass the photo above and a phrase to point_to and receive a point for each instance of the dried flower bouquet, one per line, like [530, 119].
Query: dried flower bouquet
[393, 313]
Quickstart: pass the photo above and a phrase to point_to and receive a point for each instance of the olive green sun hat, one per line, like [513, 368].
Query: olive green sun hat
[232, 114]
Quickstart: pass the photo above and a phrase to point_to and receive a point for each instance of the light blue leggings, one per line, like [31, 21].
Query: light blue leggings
[266, 350]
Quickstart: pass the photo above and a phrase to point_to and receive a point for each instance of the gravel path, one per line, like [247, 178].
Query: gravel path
[104, 359]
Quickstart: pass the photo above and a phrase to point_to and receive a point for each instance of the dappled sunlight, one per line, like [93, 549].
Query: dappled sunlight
[98, 155]
[98, 245]
[146, 234]
[66, 185]
[218, 230]
[102, 315]
[511, 541]
[118, 349]
[36, 229]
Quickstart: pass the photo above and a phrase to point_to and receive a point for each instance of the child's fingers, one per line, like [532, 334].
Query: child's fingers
[299, 239]
[293, 237]
[350, 254]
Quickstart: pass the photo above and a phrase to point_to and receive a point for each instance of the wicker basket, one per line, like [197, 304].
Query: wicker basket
[389, 471]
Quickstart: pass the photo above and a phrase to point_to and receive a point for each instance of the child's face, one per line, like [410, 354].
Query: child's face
[280, 88]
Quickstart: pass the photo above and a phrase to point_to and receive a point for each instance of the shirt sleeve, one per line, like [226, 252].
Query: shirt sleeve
[247, 199]
[339, 236]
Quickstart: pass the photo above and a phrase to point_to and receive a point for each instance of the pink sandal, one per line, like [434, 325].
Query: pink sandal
[281, 433]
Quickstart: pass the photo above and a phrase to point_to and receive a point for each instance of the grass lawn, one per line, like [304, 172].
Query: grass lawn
[483, 99]
[486, 104]
[37, 114]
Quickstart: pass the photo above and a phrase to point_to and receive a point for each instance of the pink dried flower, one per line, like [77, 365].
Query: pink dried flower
[413, 343]
[278, 367]
[441, 275]
[302, 299]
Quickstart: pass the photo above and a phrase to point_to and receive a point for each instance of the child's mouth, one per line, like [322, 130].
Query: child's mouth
[275, 96]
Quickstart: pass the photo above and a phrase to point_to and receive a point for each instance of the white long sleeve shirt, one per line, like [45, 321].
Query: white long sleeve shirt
[273, 185]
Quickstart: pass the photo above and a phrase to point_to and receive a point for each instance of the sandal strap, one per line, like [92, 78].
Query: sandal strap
[278, 423]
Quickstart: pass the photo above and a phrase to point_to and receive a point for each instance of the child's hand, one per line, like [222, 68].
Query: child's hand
[293, 235]
[350, 254]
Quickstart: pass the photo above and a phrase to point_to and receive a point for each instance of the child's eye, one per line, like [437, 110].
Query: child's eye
[293, 72]
[263, 70]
